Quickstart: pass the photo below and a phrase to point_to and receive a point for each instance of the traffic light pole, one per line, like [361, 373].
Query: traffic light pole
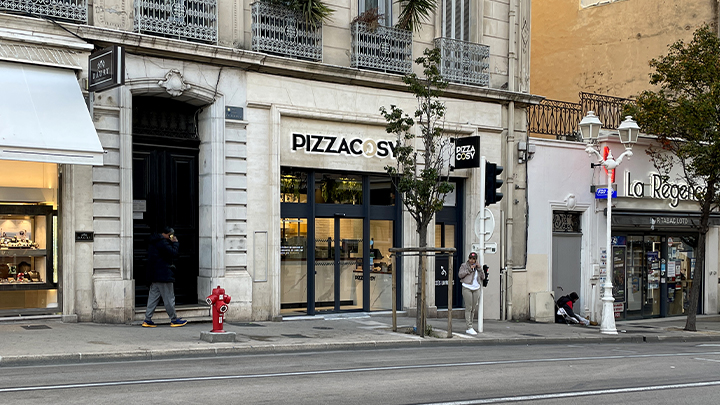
[481, 253]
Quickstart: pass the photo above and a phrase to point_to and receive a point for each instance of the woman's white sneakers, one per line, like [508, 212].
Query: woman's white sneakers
[471, 331]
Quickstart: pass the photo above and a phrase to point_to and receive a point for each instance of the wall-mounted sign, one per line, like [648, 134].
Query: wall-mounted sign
[84, 236]
[107, 69]
[661, 188]
[601, 193]
[340, 145]
[233, 113]
[467, 152]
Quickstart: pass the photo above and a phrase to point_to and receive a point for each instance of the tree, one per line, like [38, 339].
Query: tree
[418, 174]
[684, 115]
[413, 12]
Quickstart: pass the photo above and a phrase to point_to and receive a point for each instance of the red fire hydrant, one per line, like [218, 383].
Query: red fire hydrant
[218, 301]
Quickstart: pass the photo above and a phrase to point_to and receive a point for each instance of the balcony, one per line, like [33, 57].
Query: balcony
[279, 31]
[190, 20]
[561, 118]
[385, 49]
[464, 62]
[66, 10]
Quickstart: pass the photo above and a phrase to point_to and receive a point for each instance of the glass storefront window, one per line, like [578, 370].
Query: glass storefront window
[382, 191]
[293, 186]
[338, 189]
[679, 272]
[293, 265]
[381, 240]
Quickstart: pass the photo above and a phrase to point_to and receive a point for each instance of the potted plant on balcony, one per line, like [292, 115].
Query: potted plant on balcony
[370, 17]
[413, 12]
[315, 12]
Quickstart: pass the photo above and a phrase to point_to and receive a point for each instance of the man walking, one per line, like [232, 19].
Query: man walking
[162, 252]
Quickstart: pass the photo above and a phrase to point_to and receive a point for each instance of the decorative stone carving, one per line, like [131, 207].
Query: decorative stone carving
[174, 83]
[570, 202]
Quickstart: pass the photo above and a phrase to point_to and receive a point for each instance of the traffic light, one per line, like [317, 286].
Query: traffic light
[492, 183]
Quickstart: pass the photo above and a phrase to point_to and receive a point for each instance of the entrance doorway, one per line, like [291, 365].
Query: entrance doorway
[338, 264]
[336, 233]
[566, 256]
[165, 189]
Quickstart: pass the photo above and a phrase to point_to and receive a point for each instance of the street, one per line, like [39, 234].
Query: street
[559, 374]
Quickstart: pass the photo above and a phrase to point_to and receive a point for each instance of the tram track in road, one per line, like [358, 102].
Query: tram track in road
[585, 360]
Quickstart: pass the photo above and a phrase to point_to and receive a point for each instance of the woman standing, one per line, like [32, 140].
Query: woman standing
[471, 280]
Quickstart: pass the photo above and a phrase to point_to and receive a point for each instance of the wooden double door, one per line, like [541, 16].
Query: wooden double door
[165, 193]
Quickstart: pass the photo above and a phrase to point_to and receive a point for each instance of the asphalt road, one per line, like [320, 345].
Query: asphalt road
[658, 373]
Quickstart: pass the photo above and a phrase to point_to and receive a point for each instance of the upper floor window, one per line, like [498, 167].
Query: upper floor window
[190, 20]
[456, 19]
[384, 9]
[64, 10]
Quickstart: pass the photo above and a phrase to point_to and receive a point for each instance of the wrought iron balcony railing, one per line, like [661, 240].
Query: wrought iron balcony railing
[561, 119]
[464, 62]
[552, 117]
[191, 20]
[386, 49]
[66, 10]
[607, 108]
[279, 31]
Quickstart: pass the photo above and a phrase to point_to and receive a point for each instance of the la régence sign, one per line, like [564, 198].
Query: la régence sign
[661, 189]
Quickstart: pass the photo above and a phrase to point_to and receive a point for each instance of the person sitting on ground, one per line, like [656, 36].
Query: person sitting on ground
[565, 310]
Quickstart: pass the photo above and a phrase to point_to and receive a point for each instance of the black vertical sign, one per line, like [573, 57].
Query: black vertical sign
[467, 152]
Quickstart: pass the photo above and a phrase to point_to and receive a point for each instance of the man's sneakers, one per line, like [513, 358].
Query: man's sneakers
[471, 331]
[174, 323]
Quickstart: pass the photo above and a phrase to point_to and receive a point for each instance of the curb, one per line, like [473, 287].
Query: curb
[168, 354]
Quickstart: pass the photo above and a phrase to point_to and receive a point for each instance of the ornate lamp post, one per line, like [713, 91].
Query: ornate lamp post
[628, 132]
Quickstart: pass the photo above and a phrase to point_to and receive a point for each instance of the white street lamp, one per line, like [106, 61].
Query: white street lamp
[628, 132]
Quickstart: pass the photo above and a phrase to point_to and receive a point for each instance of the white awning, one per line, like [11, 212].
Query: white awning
[44, 118]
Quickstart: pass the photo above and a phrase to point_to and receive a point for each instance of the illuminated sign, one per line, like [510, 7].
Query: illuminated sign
[339, 145]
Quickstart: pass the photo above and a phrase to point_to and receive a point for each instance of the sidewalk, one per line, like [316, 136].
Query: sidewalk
[49, 341]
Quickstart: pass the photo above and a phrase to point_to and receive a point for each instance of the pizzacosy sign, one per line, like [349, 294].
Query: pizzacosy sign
[339, 145]
[661, 189]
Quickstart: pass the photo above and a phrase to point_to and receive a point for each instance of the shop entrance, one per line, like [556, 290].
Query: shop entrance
[653, 274]
[448, 234]
[336, 232]
[338, 264]
[165, 189]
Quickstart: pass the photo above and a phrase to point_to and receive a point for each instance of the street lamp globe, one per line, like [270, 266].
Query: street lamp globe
[590, 128]
[629, 131]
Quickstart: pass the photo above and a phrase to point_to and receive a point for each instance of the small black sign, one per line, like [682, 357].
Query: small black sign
[467, 152]
[84, 236]
[107, 69]
[233, 113]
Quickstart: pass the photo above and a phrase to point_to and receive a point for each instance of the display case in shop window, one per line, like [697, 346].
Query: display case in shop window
[26, 247]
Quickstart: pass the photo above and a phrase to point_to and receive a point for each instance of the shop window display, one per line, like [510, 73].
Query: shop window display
[26, 257]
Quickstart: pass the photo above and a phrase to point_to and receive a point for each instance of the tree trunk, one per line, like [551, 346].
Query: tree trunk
[697, 276]
[420, 321]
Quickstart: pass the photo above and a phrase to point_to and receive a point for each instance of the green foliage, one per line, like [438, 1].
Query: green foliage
[418, 173]
[684, 113]
[413, 12]
[314, 11]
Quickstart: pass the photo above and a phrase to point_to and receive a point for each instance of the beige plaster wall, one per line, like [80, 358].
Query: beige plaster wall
[605, 49]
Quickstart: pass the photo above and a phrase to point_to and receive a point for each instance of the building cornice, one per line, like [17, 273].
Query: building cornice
[148, 45]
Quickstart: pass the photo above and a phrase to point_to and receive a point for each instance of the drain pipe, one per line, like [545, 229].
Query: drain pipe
[510, 157]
